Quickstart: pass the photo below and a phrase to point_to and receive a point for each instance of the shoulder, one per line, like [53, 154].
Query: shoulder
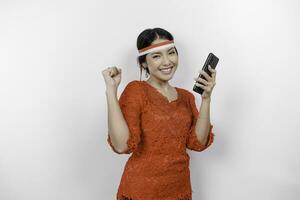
[132, 89]
[133, 85]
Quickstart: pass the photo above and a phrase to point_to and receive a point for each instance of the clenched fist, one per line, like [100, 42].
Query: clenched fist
[112, 77]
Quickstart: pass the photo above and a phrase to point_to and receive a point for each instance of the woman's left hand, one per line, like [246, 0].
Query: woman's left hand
[208, 84]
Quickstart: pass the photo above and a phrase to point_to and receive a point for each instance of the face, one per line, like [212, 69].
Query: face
[162, 59]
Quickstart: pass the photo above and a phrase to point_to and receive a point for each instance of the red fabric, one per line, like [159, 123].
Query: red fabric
[160, 133]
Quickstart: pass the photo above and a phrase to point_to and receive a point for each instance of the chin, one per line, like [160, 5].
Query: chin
[166, 77]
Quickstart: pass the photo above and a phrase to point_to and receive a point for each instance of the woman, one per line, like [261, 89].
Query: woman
[156, 122]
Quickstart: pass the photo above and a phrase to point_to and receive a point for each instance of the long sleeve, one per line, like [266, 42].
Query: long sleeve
[192, 142]
[130, 103]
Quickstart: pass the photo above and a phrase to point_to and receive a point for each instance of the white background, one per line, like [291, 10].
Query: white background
[53, 107]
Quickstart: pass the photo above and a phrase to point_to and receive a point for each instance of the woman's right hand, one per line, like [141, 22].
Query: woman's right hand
[112, 77]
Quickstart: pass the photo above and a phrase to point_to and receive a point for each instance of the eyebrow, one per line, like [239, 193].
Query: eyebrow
[159, 52]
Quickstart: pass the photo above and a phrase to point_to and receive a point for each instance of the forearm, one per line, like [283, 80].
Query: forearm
[203, 122]
[117, 126]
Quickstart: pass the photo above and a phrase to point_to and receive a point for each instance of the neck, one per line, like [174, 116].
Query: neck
[161, 84]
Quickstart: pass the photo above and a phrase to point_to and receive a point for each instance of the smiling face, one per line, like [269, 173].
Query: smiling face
[166, 59]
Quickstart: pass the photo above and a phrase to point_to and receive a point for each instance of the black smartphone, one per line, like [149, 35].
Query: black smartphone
[211, 60]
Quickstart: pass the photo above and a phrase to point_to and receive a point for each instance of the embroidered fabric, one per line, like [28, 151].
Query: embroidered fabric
[180, 197]
[160, 131]
[130, 103]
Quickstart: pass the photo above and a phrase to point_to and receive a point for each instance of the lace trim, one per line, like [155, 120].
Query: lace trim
[194, 144]
[180, 197]
[125, 198]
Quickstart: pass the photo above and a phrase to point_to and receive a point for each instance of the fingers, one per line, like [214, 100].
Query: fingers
[205, 82]
[211, 69]
[210, 80]
[206, 88]
[213, 73]
[113, 71]
[205, 75]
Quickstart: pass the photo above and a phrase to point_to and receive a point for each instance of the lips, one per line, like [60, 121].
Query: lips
[166, 70]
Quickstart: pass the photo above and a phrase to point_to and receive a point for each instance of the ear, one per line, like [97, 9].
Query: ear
[144, 65]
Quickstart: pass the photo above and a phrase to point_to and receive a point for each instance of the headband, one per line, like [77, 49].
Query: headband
[155, 47]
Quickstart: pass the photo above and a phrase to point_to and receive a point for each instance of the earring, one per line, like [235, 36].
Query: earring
[146, 75]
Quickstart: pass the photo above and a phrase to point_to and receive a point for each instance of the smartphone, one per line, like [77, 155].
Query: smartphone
[211, 60]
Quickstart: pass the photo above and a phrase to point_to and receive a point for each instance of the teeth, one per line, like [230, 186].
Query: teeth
[166, 70]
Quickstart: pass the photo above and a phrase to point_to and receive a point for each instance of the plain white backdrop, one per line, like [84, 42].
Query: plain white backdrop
[53, 107]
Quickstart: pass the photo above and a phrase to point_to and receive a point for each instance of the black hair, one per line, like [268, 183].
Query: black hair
[146, 37]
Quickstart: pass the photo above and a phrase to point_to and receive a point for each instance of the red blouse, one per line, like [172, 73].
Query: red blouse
[160, 132]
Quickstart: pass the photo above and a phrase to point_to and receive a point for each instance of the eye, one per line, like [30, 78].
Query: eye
[155, 56]
[172, 52]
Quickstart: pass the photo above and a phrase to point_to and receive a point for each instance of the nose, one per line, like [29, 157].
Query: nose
[166, 60]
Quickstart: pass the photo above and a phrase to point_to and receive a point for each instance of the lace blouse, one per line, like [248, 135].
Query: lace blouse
[160, 132]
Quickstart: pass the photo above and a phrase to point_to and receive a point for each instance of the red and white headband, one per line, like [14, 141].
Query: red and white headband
[156, 47]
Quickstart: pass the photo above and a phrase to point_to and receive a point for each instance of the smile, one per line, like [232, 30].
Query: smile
[166, 70]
